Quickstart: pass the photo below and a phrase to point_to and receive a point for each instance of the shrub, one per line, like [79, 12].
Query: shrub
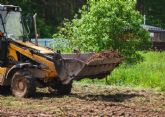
[107, 24]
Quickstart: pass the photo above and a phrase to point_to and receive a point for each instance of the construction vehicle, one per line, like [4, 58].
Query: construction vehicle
[25, 65]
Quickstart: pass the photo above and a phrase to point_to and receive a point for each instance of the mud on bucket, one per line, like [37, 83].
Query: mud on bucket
[90, 65]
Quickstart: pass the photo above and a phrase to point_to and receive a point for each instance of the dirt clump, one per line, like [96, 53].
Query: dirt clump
[104, 55]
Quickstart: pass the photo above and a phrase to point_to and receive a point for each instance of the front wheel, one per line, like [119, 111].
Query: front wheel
[22, 85]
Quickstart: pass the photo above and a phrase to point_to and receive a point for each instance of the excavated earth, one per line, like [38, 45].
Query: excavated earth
[87, 101]
[104, 55]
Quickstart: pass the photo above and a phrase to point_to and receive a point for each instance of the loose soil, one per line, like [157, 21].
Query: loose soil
[105, 55]
[87, 101]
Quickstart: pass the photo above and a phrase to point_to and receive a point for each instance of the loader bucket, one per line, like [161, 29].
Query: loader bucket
[90, 65]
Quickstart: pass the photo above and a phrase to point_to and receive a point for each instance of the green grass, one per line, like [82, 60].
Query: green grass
[148, 74]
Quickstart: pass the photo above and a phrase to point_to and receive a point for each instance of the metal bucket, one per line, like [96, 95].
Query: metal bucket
[79, 66]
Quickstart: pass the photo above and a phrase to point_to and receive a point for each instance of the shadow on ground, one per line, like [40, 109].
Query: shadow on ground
[118, 97]
[41, 95]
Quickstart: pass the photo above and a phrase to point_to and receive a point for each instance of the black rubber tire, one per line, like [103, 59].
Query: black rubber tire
[64, 89]
[59, 88]
[23, 85]
[5, 90]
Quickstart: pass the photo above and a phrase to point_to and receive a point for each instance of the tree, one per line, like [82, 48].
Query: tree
[154, 10]
[107, 24]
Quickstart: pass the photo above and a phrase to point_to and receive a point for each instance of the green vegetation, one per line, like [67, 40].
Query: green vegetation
[50, 13]
[107, 24]
[149, 73]
[154, 10]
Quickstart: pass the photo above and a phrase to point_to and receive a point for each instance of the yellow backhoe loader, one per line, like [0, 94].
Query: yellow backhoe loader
[25, 65]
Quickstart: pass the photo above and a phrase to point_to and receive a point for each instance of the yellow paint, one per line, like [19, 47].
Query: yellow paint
[51, 71]
[43, 50]
[49, 67]
[12, 54]
[2, 73]
[3, 70]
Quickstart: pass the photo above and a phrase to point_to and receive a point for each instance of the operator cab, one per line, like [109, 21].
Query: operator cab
[11, 21]
[11, 26]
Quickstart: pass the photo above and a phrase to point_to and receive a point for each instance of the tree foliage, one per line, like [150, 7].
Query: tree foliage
[50, 13]
[107, 24]
[154, 10]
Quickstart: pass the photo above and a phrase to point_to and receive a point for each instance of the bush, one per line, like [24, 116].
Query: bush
[107, 24]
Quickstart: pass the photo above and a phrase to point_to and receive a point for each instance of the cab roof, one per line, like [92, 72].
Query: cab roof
[9, 7]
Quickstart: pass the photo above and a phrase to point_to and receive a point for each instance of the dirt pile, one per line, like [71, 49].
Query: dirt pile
[105, 55]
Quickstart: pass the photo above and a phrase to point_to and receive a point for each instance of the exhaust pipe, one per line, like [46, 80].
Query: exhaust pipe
[35, 28]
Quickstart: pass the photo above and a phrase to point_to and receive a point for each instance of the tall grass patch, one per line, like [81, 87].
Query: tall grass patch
[148, 74]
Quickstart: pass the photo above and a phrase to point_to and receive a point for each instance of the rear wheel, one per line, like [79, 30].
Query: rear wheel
[22, 85]
[59, 88]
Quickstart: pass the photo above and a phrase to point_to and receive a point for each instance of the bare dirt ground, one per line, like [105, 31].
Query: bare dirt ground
[87, 100]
